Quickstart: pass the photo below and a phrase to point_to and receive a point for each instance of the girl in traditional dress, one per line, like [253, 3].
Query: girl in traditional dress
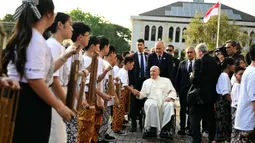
[61, 30]
[223, 108]
[28, 59]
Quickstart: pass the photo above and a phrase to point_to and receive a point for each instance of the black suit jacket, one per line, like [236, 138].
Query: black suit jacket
[206, 73]
[182, 79]
[134, 73]
[166, 65]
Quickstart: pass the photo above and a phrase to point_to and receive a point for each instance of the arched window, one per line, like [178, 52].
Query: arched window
[160, 32]
[171, 33]
[177, 34]
[251, 37]
[153, 33]
[146, 32]
[183, 40]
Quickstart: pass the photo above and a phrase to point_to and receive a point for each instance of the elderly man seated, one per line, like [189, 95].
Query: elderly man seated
[159, 106]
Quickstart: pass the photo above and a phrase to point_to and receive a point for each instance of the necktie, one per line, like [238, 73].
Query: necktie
[159, 59]
[142, 66]
[190, 66]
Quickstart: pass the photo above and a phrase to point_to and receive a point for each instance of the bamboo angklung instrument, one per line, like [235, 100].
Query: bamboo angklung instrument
[81, 94]
[86, 122]
[72, 84]
[111, 91]
[8, 103]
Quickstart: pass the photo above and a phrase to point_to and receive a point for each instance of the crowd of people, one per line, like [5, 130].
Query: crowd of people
[215, 88]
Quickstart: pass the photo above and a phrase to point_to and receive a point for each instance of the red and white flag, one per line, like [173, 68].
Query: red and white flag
[211, 12]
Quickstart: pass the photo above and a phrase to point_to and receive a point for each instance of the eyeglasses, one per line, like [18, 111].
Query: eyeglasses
[169, 50]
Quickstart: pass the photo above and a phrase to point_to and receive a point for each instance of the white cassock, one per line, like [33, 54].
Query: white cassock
[158, 113]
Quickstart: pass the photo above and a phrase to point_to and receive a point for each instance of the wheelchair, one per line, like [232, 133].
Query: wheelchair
[172, 122]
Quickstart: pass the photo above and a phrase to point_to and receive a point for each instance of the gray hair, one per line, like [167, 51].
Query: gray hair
[202, 47]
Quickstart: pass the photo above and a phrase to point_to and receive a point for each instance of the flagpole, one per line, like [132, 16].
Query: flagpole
[218, 27]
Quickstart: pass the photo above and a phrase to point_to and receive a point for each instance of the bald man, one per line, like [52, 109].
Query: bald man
[163, 60]
[159, 106]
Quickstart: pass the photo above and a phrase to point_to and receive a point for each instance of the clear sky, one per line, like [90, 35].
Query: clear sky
[119, 11]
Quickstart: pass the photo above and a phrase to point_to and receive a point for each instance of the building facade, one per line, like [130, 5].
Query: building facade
[167, 23]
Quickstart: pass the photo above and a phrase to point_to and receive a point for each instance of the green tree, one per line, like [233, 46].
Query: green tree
[197, 31]
[119, 36]
[8, 18]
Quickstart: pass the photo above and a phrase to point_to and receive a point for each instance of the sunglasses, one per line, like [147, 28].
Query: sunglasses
[168, 50]
[189, 52]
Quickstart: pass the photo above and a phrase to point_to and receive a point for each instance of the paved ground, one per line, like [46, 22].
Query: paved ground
[137, 136]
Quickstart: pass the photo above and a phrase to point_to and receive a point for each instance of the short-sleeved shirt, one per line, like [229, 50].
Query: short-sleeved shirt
[39, 63]
[56, 50]
[123, 75]
[223, 86]
[87, 61]
[245, 115]
[235, 92]
[116, 70]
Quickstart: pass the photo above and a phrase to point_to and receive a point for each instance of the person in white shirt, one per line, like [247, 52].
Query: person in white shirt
[238, 63]
[235, 92]
[28, 60]
[119, 64]
[223, 108]
[109, 60]
[61, 29]
[119, 112]
[159, 106]
[80, 38]
[245, 113]
[94, 46]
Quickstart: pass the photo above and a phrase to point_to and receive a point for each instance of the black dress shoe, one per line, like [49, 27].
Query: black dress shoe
[149, 134]
[165, 134]
[133, 130]
[108, 137]
[181, 132]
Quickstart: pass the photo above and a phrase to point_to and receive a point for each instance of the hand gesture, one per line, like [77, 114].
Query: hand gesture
[107, 97]
[169, 100]
[85, 72]
[64, 111]
[8, 82]
[72, 50]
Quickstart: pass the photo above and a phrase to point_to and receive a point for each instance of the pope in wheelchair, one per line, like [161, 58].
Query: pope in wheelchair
[159, 106]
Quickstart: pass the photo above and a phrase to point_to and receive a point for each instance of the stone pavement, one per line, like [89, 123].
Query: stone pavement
[137, 136]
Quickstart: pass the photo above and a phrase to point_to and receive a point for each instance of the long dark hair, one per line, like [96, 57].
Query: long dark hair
[22, 34]
[60, 17]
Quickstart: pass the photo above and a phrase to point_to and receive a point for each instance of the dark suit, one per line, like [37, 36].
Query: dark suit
[136, 81]
[165, 65]
[176, 63]
[182, 86]
[205, 77]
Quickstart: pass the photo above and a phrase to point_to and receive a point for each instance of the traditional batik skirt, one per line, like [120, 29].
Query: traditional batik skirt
[118, 114]
[86, 125]
[223, 119]
[244, 137]
[33, 120]
[72, 129]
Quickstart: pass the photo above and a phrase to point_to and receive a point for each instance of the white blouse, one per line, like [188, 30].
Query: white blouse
[39, 62]
[223, 86]
[56, 50]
